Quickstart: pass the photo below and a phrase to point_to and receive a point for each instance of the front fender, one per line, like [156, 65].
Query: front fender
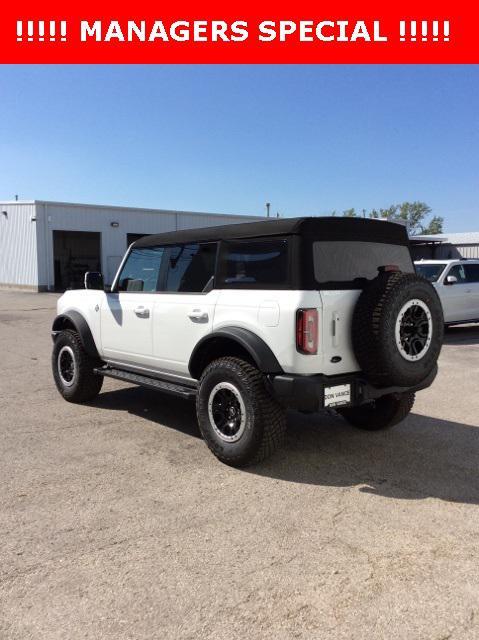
[75, 320]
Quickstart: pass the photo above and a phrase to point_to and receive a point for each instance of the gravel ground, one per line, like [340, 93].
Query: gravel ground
[117, 522]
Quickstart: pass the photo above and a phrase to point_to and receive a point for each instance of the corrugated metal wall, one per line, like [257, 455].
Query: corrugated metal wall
[18, 245]
[468, 250]
[72, 217]
[446, 251]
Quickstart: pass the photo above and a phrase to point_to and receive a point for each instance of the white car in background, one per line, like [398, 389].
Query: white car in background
[457, 283]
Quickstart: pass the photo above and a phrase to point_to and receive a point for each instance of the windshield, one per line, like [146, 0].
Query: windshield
[430, 271]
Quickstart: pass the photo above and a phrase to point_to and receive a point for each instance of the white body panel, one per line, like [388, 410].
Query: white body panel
[460, 301]
[180, 321]
[272, 316]
[127, 328]
[158, 331]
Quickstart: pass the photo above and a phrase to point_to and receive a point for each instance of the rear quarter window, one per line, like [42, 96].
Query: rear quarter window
[254, 264]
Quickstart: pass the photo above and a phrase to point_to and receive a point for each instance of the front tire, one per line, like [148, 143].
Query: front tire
[73, 369]
[382, 413]
[239, 419]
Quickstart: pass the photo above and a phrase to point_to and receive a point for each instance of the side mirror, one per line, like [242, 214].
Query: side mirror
[94, 280]
[451, 280]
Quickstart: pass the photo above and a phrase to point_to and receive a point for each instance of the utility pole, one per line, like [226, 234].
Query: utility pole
[268, 205]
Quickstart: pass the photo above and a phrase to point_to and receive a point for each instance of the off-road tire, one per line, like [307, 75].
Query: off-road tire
[382, 413]
[265, 418]
[374, 324]
[85, 385]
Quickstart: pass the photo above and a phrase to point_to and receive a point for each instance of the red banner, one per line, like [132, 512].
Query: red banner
[267, 32]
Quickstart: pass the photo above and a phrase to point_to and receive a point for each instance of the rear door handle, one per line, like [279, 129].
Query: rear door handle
[142, 312]
[198, 315]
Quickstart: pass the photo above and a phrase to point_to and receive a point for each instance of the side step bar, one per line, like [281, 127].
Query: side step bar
[145, 381]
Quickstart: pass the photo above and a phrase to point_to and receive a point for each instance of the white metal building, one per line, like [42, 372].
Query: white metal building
[452, 245]
[49, 245]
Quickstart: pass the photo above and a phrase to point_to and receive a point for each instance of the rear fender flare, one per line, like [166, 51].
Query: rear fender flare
[259, 351]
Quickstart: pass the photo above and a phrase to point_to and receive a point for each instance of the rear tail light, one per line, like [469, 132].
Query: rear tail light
[385, 268]
[307, 331]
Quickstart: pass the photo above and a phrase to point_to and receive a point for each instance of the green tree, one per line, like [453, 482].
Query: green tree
[435, 226]
[414, 214]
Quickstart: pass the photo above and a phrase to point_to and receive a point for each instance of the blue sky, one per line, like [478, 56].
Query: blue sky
[309, 139]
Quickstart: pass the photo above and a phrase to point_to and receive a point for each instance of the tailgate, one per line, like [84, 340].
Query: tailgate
[335, 331]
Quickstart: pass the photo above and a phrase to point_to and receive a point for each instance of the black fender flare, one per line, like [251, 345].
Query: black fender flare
[65, 320]
[260, 352]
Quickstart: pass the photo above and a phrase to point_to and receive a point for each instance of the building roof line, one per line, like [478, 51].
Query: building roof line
[126, 208]
[6, 202]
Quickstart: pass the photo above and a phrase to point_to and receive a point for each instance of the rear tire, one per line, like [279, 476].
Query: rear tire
[239, 419]
[382, 413]
[73, 369]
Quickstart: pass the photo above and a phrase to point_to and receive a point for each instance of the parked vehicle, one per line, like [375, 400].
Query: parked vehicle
[251, 319]
[457, 283]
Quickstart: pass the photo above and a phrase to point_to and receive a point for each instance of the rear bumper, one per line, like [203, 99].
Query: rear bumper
[306, 393]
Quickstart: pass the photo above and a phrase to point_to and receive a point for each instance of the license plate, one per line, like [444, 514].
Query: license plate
[337, 396]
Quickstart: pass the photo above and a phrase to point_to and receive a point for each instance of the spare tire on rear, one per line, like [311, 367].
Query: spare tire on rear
[397, 329]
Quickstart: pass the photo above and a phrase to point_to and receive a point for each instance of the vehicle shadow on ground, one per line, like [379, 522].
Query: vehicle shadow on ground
[465, 334]
[420, 458]
[160, 408]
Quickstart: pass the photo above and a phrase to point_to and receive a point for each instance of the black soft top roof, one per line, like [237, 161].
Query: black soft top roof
[321, 228]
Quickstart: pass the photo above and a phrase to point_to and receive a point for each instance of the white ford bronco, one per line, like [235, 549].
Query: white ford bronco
[254, 318]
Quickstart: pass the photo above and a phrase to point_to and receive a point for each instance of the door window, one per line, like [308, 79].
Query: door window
[458, 271]
[141, 270]
[472, 272]
[190, 267]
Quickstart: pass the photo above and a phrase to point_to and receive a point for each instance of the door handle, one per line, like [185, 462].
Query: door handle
[198, 315]
[142, 312]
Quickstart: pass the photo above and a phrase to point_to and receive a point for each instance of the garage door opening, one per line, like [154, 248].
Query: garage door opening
[133, 237]
[75, 253]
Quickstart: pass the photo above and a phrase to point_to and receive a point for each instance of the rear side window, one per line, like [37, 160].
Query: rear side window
[141, 270]
[472, 272]
[260, 264]
[190, 267]
[349, 264]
